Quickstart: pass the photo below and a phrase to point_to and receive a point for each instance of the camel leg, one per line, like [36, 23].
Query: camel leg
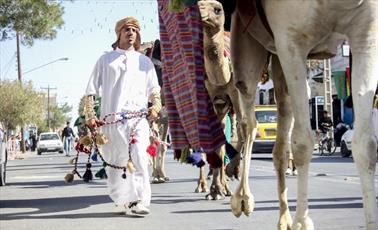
[223, 178]
[233, 168]
[364, 83]
[202, 183]
[155, 177]
[162, 152]
[294, 67]
[281, 148]
[248, 59]
[216, 188]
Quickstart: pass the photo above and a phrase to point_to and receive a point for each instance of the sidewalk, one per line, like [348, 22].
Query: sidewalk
[19, 155]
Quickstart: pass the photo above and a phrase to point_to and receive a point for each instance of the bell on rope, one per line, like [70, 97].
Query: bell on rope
[69, 177]
[130, 166]
[124, 173]
[101, 139]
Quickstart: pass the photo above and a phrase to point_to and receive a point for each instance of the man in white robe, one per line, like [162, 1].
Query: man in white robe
[126, 81]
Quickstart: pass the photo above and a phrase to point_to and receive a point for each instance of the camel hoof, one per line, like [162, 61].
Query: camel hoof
[228, 193]
[303, 224]
[242, 204]
[159, 180]
[285, 222]
[215, 195]
[200, 190]
[166, 178]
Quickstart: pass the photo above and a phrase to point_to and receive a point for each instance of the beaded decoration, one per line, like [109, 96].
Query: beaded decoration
[95, 138]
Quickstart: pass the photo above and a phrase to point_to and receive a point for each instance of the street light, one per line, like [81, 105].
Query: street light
[60, 59]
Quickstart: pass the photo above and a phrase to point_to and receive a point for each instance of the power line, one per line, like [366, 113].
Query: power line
[7, 67]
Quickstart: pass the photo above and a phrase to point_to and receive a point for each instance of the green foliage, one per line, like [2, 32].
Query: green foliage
[20, 104]
[32, 19]
[59, 115]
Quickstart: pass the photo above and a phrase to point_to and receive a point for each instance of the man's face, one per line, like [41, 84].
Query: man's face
[128, 36]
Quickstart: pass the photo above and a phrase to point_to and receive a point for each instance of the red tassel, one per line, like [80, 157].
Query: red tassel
[152, 150]
[81, 148]
[133, 140]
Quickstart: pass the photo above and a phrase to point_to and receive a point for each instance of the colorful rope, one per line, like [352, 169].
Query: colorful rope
[123, 116]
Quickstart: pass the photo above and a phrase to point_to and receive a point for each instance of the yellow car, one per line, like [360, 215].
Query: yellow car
[266, 116]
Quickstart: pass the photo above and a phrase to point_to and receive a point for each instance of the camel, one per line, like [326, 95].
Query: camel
[222, 92]
[160, 127]
[294, 31]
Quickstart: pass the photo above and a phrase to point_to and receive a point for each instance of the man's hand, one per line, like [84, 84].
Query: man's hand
[152, 115]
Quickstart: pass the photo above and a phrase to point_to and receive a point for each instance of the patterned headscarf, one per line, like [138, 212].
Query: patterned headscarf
[128, 21]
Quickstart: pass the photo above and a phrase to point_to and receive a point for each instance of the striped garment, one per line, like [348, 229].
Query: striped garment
[191, 117]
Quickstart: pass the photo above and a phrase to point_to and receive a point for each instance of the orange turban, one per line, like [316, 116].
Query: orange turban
[128, 21]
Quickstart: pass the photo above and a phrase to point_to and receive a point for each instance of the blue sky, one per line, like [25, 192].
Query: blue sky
[87, 33]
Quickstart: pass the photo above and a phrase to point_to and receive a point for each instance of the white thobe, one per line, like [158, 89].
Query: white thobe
[124, 80]
[375, 122]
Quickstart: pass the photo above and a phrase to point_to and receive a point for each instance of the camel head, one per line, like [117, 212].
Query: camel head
[212, 15]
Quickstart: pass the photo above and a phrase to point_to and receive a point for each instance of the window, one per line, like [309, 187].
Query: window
[49, 137]
[266, 116]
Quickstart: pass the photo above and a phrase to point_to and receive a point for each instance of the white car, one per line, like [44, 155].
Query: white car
[3, 158]
[346, 143]
[49, 142]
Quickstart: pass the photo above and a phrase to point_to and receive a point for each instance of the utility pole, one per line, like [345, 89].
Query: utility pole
[23, 148]
[18, 57]
[48, 103]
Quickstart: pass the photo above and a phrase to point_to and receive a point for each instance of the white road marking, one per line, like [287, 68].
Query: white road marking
[37, 177]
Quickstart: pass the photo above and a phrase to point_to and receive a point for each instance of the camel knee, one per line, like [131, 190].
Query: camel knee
[302, 154]
[364, 153]
[242, 87]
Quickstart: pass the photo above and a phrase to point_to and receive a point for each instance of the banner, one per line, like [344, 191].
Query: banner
[339, 79]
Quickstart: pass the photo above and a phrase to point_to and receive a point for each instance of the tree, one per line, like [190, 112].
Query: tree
[28, 20]
[20, 104]
[59, 115]
[31, 19]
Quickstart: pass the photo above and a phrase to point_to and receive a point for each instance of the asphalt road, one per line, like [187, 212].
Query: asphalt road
[36, 197]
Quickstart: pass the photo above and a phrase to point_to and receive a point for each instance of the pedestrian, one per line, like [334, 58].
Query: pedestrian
[127, 81]
[325, 122]
[33, 141]
[67, 136]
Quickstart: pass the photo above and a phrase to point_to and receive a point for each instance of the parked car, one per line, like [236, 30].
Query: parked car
[346, 143]
[3, 158]
[49, 142]
[266, 116]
